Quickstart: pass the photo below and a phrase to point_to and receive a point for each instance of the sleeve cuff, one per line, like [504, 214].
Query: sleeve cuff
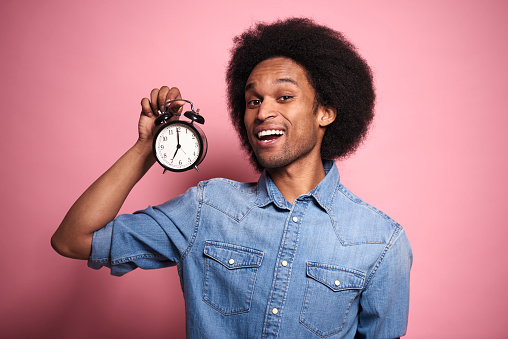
[101, 247]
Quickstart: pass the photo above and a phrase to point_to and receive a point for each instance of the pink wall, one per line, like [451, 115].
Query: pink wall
[73, 74]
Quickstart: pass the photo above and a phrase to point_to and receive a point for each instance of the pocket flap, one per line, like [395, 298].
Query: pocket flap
[233, 256]
[336, 278]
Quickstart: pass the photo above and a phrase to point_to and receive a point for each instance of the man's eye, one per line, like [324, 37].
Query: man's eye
[254, 102]
[285, 97]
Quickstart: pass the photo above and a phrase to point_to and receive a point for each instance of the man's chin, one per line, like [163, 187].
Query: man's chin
[271, 162]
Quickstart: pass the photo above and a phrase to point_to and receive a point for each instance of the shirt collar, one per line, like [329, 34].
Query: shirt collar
[324, 193]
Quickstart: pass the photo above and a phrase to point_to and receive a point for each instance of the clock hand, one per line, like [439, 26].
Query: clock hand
[177, 143]
[177, 148]
[177, 138]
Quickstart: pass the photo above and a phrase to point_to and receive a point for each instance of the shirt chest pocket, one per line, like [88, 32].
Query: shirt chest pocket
[230, 273]
[331, 291]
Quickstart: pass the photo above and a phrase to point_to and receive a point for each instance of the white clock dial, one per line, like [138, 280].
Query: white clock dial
[177, 146]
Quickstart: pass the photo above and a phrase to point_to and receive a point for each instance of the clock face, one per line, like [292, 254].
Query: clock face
[178, 146]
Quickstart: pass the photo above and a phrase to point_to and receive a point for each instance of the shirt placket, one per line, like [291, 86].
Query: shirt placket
[280, 284]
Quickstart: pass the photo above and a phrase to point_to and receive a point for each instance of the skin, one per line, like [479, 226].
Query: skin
[280, 97]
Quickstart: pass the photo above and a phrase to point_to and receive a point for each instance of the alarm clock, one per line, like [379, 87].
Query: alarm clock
[179, 145]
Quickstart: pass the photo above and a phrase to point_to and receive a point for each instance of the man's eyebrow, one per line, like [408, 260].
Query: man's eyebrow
[283, 80]
[251, 85]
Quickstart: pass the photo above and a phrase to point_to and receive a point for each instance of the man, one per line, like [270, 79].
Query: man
[295, 255]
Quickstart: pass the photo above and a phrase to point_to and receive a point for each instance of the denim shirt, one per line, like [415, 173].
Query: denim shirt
[253, 265]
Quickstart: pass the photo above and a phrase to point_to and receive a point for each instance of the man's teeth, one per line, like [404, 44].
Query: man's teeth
[269, 133]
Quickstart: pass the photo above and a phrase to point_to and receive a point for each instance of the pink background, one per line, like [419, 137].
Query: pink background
[73, 74]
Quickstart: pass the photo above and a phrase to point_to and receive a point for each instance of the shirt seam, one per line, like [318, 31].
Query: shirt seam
[135, 257]
[197, 221]
[395, 236]
[345, 192]
[226, 213]
[327, 205]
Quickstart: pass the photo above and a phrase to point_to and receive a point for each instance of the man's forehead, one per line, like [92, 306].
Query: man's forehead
[275, 82]
[277, 71]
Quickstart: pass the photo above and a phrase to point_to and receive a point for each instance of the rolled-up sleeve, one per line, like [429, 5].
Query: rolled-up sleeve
[385, 301]
[156, 237]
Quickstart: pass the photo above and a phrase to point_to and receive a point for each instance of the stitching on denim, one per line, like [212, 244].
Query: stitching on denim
[353, 243]
[328, 207]
[303, 313]
[359, 201]
[395, 235]
[201, 188]
[229, 215]
[335, 229]
[337, 268]
[272, 286]
[235, 247]
[202, 200]
[103, 260]
[258, 253]
[240, 186]
[283, 241]
[356, 200]
[251, 289]
[290, 271]
[135, 257]
[341, 326]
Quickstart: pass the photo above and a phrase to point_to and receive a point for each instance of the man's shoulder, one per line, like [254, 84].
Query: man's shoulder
[361, 222]
[231, 197]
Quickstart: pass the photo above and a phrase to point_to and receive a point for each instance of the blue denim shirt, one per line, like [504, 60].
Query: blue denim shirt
[252, 265]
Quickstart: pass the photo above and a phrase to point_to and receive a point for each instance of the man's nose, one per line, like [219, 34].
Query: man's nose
[267, 109]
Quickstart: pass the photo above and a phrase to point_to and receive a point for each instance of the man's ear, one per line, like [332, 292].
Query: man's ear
[326, 116]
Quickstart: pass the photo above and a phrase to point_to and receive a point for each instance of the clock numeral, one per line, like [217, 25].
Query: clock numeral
[170, 132]
[178, 128]
[161, 147]
[180, 162]
[164, 138]
[164, 155]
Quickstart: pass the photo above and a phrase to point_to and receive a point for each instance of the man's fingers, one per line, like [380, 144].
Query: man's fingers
[158, 98]
[154, 94]
[162, 95]
[146, 108]
[173, 94]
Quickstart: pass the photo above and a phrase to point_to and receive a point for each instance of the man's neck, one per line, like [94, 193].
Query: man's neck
[297, 179]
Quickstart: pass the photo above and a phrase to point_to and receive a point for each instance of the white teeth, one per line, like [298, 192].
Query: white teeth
[270, 132]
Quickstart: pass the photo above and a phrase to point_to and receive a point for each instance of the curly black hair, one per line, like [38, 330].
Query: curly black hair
[339, 75]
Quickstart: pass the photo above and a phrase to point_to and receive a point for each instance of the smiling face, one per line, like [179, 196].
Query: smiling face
[284, 123]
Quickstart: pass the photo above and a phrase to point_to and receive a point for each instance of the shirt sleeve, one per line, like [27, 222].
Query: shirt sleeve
[385, 301]
[153, 238]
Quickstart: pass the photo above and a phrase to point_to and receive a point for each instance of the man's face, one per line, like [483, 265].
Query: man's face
[281, 115]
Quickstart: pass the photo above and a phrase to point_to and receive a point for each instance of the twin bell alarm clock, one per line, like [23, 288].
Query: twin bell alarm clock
[179, 145]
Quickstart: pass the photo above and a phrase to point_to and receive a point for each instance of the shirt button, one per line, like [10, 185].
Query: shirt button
[231, 261]
[284, 263]
[337, 283]
[295, 219]
[275, 311]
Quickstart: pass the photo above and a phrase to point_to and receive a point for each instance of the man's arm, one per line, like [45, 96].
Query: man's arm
[100, 203]
[385, 301]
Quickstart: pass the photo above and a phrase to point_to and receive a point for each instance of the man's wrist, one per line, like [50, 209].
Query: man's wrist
[144, 149]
